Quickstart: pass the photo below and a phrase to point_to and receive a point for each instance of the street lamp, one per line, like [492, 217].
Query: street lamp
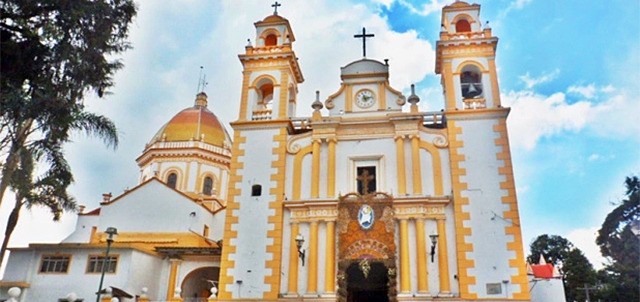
[301, 252]
[111, 231]
[434, 242]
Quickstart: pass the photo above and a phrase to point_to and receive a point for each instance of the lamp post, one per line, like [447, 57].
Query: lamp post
[111, 231]
[301, 252]
[434, 242]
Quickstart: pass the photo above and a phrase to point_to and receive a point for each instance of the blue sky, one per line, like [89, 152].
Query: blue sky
[568, 69]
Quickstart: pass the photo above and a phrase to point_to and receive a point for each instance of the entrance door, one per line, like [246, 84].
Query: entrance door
[372, 288]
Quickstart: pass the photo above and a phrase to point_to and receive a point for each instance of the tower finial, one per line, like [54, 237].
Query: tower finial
[275, 7]
[202, 81]
[364, 37]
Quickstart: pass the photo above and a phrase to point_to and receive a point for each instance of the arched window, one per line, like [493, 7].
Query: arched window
[471, 82]
[172, 180]
[463, 26]
[207, 186]
[256, 190]
[266, 94]
[271, 40]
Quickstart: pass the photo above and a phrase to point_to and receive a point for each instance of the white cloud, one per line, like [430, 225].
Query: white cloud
[585, 240]
[515, 5]
[531, 82]
[534, 116]
[594, 157]
[426, 9]
[588, 91]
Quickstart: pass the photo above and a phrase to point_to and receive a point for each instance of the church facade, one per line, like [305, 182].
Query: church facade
[368, 199]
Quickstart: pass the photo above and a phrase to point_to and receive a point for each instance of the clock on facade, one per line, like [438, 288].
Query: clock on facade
[365, 98]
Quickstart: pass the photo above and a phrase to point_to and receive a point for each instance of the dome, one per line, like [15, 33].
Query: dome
[364, 67]
[194, 123]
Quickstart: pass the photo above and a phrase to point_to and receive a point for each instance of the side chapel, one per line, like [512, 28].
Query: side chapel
[369, 199]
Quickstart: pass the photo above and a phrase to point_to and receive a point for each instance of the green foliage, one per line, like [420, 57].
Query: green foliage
[53, 53]
[618, 242]
[573, 265]
[555, 249]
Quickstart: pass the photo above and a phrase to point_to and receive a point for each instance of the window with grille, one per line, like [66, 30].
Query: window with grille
[55, 263]
[96, 263]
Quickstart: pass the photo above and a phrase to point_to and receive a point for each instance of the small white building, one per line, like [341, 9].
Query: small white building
[169, 230]
[545, 282]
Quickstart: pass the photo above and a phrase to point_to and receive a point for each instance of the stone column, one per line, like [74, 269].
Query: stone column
[330, 258]
[312, 278]
[402, 176]
[421, 255]
[415, 165]
[331, 168]
[315, 169]
[173, 274]
[443, 258]
[293, 261]
[405, 276]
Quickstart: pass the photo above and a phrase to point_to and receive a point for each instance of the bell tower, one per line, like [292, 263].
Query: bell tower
[490, 256]
[252, 252]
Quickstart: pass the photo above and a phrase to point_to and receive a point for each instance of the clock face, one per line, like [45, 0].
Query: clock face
[365, 98]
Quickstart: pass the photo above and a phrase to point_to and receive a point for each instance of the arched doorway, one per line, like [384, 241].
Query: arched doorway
[367, 281]
[197, 284]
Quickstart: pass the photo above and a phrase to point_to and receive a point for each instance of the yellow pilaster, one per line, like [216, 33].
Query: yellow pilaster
[244, 97]
[330, 272]
[312, 279]
[315, 169]
[293, 261]
[494, 82]
[415, 165]
[405, 281]
[173, 274]
[421, 255]
[443, 258]
[331, 169]
[284, 94]
[402, 170]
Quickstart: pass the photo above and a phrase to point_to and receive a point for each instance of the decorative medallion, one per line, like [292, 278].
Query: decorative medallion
[366, 216]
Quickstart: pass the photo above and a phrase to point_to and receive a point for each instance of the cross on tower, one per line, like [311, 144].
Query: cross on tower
[364, 37]
[275, 7]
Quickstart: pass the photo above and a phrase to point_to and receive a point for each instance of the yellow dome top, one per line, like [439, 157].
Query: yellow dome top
[195, 123]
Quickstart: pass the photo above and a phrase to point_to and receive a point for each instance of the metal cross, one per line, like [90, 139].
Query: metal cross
[275, 7]
[365, 178]
[364, 37]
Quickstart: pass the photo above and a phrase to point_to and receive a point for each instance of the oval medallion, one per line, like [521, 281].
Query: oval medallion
[365, 216]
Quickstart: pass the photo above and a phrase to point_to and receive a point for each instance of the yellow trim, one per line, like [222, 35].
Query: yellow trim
[173, 274]
[235, 178]
[330, 257]
[421, 254]
[462, 246]
[449, 86]
[117, 256]
[297, 170]
[437, 167]
[415, 165]
[348, 106]
[405, 277]
[185, 180]
[331, 169]
[198, 168]
[443, 258]
[382, 96]
[254, 83]
[244, 97]
[402, 170]
[483, 69]
[293, 261]
[276, 220]
[179, 180]
[284, 100]
[312, 278]
[69, 256]
[495, 90]
[518, 262]
[315, 168]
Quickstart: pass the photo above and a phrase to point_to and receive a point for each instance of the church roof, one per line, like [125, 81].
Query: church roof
[364, 67]
[194, 124]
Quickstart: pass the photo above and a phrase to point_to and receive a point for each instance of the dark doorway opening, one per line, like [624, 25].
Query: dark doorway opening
[374, 287]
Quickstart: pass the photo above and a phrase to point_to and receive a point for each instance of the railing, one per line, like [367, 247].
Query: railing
[190, 144]
[434, 119]
[268, 49]
[479, 103]
[260, 115]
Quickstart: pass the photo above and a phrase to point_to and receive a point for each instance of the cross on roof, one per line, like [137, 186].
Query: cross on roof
[275, 7]
[364, 37]
[365, 178]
